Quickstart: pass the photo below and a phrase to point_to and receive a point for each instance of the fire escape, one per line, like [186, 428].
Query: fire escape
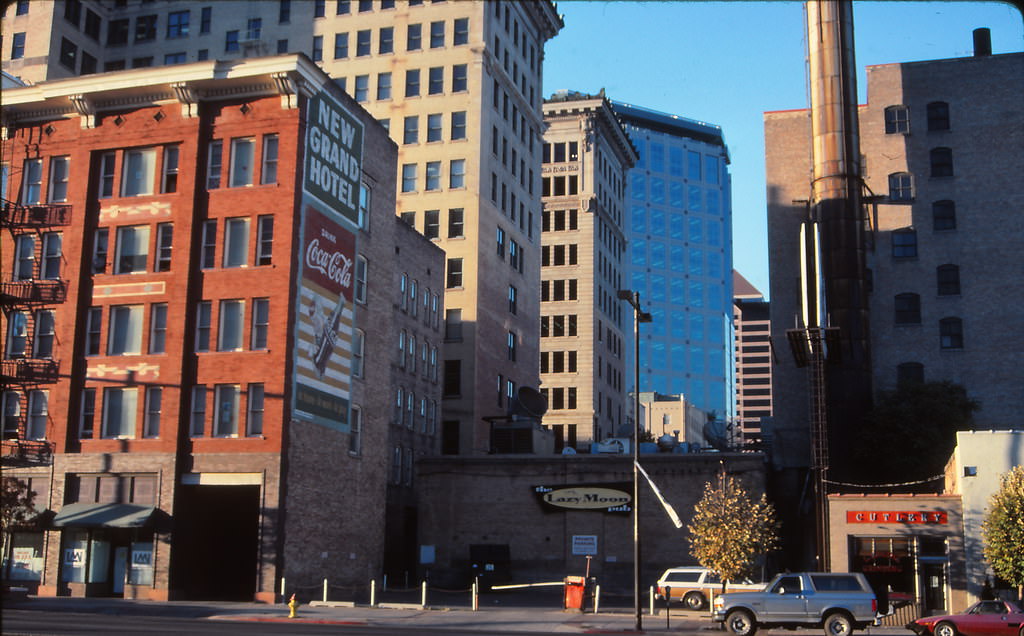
[26, 291]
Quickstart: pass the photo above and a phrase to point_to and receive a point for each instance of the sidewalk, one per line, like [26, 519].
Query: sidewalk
[493, 618]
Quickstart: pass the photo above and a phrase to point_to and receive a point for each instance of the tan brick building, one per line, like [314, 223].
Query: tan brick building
[752, 348]
[207, 405]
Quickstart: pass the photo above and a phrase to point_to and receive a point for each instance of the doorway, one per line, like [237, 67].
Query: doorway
[933, 586]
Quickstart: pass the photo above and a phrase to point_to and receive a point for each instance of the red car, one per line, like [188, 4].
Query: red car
[987, 618]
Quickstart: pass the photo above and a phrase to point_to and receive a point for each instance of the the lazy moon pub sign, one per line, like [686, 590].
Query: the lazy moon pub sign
[610, 497]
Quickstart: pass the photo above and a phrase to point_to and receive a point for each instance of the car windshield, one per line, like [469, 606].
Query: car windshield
[989, 607]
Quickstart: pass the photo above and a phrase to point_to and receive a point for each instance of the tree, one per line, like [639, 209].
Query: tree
[911, 432]
[1002, 531]
[729, 530]
[16, 506]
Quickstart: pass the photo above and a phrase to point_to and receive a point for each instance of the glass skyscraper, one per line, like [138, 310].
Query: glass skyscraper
[679, 255]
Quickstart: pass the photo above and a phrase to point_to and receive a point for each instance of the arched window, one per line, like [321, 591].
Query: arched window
[938, 116]
[951, 333]
[907, 309]
[941, 162]
[901, 186]
[943, 215]
[897, 120]
[904, 244]
[947, 278]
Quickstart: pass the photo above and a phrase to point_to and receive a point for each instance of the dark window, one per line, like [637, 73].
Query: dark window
[317, 54]
[117, 32]
[177, 24]
[459, 124]
[938, 116]
[231, 42]
[943, 215]
[941, 162]
[901, 186]
[89, 64]
[18, 46]
[365, 5]
[431, 223]
[363, 42]
[343, 7]
[435, 81]
[284, 11]
[282, 46]
[320, 8]
[414, 37]
[897, 120]
[459, 80]
[454, 278]
[22, 8]
[461, 35]
[452, 377]
[205, 19]
[904, 244]
[951, 333]
[947, 278]
[145, 28]
[93, 24]
[907, 309]
[68, 53]
[340, 46]
[455, 228]
[73, 11]
[412, 83]
[436, 34]
[386, 40]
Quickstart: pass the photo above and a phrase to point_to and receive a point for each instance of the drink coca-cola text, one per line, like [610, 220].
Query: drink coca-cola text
[334, 265]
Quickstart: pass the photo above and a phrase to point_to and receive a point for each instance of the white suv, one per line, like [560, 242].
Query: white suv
[694, 585]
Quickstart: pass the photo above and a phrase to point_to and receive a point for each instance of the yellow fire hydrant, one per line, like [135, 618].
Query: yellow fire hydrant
[293, 606]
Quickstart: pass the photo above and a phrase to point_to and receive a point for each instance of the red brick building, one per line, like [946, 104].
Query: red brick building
[196, 412]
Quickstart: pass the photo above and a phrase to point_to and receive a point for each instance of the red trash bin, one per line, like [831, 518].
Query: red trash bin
[574, 586]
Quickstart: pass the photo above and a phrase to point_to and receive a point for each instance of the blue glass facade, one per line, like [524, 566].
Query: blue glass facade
[679, 231]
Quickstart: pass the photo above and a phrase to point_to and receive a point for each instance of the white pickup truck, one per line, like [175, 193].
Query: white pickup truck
[839, 602]
[695, 585]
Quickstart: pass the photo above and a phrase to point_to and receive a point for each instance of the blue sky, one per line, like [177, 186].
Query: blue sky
[726, 63]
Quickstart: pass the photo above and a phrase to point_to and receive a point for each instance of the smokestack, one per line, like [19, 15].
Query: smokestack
[982, 42]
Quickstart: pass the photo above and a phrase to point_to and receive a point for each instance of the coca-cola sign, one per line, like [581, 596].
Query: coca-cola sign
[329, 254]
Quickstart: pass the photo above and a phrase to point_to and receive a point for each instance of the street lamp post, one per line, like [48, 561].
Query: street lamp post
[639, 316]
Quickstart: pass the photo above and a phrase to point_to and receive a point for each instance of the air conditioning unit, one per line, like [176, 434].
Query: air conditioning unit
[612, 446]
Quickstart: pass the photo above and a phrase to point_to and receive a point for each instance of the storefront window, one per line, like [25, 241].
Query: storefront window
[25, 561]
[141, 569]
[99, 561]
[73, 556]
[888, 564]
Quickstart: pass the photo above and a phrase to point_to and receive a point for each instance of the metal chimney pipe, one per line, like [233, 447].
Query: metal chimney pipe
[982, 42]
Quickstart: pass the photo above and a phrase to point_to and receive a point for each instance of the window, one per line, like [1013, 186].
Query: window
[412, 83]
[500, 241]
[909, 372]
[205, 19]
[10, 414]
[414, 37]
[513, 297]
[284, 11]
[365, 5]
[174, 58]
[435, 81]
[454, 277]
[386, 40]
[198, 416]
[119, 408]
[943, 215]
[897, 120]
[459, 125]
[362, 42]
[433, 175]
[124, 336]
[431, 223]
[68, 53]
[340, 46]
[264, 239]
[32, 182]
[383, 85]
[236, 242]
[203, 318]
[53, 254]
[93, 324]
[342, 7]
[907, 309]
[154, 405]
[242, 151]
[461, 35]
[42, 345]
[938, 116]
[24, 257]
[268, 174]
[17, 335]
[951, 333]
[459, 78]
[145, 28]
[208, 249]
[452, 384]
[457, 173]
[941, 160]
[358, 351]
[260, 323]
[158, 328]
[213, 166]
[362, 88]
[138, 170]
[437, 34]
[904, 244]
[456, 222]
[411, 130]
[317, 52]
[409, 177]
[117, 32]
[169, 182]
[89, 63]
[254, 418]
[364, 206]
[355, 430]
[360, 283]
[58, 179]
[901, 186]
[18, 45]
[434, 127]
[177, 24]
[231, 42]
[164, 245]
[107, 166]
[225, 418]
[948, 280]
[254, 29]
[229, 335]
[453, 325]
[132, 249]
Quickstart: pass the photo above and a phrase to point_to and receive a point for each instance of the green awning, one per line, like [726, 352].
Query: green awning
[103, 515]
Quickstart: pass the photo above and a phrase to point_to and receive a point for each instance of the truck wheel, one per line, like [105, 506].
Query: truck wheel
[740, 622]
[694, 601]
[945, 628]
[839, 624]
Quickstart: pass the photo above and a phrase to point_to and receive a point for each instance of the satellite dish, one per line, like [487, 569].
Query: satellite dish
[529, 402]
